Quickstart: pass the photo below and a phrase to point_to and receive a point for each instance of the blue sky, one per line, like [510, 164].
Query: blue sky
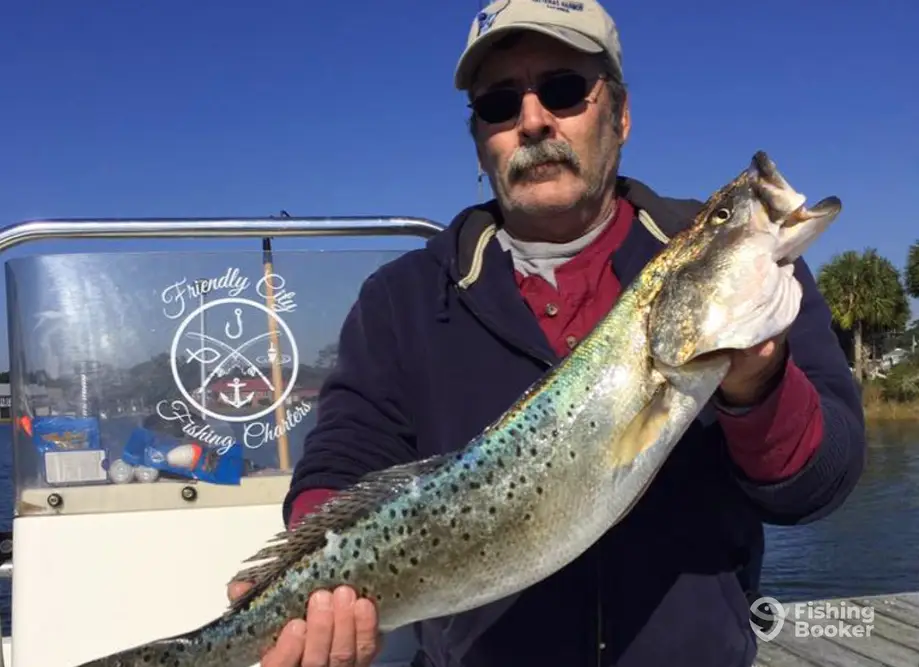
[181, 109]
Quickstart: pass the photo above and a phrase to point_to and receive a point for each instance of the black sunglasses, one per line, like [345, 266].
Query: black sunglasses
[556, 93]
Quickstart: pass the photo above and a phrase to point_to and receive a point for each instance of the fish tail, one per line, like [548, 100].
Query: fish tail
[206, 646]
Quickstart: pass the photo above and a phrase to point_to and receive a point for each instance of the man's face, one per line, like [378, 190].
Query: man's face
[539, 161]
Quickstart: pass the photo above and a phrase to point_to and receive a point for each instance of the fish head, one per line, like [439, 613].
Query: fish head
[729, 282]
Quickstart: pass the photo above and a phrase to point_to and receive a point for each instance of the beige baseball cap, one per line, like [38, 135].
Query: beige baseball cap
[581, 24]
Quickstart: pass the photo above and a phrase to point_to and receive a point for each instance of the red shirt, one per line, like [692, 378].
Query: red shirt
[765, 447]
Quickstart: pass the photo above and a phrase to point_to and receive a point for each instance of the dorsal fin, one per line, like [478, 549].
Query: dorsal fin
[338, 513]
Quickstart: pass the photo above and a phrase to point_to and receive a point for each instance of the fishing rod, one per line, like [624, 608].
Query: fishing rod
[277, 379]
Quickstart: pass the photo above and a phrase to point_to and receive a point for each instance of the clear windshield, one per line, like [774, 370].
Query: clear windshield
[170, 370]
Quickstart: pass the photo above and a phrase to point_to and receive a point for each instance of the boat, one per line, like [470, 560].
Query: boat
[118, 360]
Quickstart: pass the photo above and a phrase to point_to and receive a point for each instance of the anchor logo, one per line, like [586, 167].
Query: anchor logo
[237, 401]
[230, 352]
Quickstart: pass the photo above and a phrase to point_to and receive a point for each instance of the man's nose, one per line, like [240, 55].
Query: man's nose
[535, 122]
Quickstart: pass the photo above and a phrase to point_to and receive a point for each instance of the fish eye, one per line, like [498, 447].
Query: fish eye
[720, 216]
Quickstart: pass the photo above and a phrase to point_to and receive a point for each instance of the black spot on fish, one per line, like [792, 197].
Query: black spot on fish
[510, 495]
[453, 522]
[454, 488]
[434, 511]
[355, 554]
[593, 424]
[466, 536]
[523, 480]
[548, 464]
[423, 532]
[555, 433]
[401, 530]
[490, 478]
[435, 542]
[357, 542]
[500, 462]
[474, 485]
[532, 429]
[413, 560]
[539, 489]
[513, 485]
[331, 576]
[371, 567]
[404, 513]
[420, 580]
[519, 450]
[482, 553]
[345, 574]
[393, 569]
[466, 466]
[572, 454]
[398, 595]
[492, 510]
[526, 517]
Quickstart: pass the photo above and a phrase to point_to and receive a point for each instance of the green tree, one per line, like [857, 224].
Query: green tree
[912, 271]
[863, 292]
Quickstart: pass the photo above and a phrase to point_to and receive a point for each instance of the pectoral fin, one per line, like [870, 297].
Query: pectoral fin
[643, 432]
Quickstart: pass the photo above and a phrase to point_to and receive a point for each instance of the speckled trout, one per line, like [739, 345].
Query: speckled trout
[562, 466]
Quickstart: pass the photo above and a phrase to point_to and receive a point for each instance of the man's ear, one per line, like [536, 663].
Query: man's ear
[626, 119]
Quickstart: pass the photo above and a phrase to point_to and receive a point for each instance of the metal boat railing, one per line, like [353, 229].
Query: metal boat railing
[190, 228]
[125, 228]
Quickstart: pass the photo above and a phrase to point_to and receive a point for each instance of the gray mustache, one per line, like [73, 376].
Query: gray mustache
[545, 152]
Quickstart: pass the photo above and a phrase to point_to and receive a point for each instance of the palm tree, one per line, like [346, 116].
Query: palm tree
[863, 292]
[912, 271]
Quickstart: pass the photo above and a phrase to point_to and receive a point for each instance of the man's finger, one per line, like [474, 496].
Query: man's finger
[237, 588]
[320, 622]
[342, 653]
[289, 647]
[367, 638]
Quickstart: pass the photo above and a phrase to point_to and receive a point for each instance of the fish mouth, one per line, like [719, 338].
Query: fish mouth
[795, 225]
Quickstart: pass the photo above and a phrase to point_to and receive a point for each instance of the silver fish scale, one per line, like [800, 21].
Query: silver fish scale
[479, 527]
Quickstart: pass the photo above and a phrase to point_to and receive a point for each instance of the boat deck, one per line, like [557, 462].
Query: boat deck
[889, 639]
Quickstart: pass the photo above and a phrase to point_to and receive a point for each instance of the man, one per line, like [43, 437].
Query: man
[442, 340]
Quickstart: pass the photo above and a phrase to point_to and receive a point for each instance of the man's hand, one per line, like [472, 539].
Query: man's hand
[339, 631]
[753, 372]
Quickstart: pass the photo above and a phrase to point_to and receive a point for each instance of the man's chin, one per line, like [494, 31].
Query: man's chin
[544, 196]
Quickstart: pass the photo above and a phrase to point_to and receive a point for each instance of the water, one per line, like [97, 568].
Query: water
[867, 547]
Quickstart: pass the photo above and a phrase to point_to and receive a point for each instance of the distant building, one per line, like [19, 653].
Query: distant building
[6, 402]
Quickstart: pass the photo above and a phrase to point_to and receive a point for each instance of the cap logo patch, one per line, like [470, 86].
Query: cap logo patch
[485, 20]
